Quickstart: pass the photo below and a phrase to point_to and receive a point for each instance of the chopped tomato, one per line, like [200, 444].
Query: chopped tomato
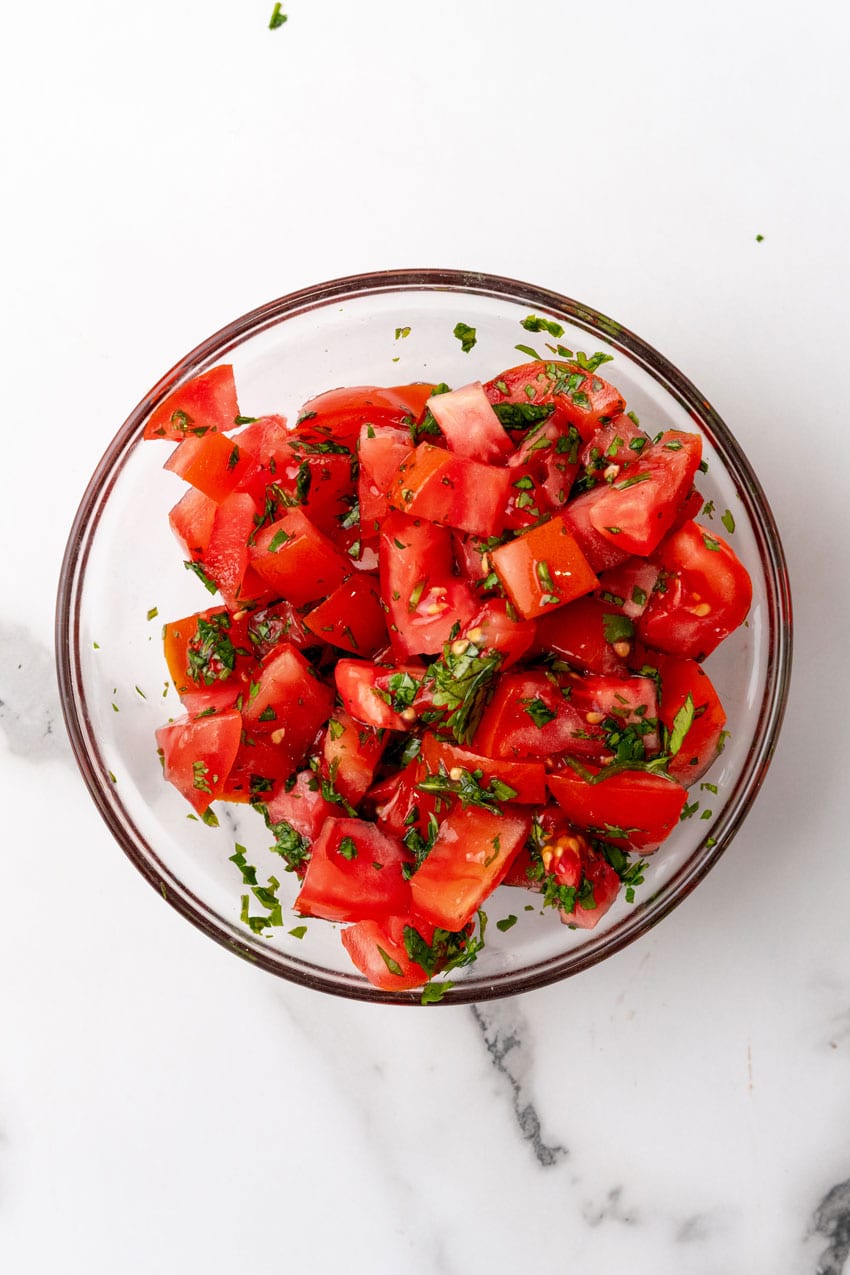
[639, 506]
[588, 885]
[354, 874]
[493, 628]
[601, 552]
[583, 397]
[378, 950]
[526, 778]
[704, 594]
[469, 858]
[301, 804]
[226, 559]
[212, 463]
[542, 569]
[424, 600]
[469, 424]
[377, 694]
[207, 402]
[351, 753]
[198, 753]
[381, 450]
[352, 617]
[452, 490]
[587, 634]
[631, 808]
[701, 744]
[298, 560]
[192, 521]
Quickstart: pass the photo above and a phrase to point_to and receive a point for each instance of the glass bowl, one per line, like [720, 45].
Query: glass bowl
[121, 563]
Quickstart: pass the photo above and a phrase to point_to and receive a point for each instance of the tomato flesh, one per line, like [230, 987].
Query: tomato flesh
[198, 753]
[207, 402]
[543, 569]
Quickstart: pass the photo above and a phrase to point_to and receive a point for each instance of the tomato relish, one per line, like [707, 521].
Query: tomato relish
[459, 645]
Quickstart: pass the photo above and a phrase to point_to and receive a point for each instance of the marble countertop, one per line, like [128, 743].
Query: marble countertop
[681, 1109]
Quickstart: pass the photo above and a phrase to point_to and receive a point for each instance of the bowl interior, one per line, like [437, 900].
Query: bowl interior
[123, 562]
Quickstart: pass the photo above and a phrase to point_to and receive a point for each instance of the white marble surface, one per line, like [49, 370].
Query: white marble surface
[681, 1109]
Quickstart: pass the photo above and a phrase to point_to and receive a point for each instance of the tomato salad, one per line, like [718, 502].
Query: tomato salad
[459, 645]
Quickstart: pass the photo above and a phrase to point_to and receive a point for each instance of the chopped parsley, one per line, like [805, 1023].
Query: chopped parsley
[470, 789]
[401, 333]
[539, 713]
[209, 585]
[277, 19]
[462, 684]
[534, 324]
[728, 521]
[466, 335]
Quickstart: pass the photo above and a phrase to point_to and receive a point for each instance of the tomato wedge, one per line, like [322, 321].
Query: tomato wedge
[207, 402]
[198, 753]
[354, 874]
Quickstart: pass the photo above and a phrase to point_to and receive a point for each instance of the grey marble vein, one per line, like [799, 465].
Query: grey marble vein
[831, 1221]
[501, 1028]
[30, 715]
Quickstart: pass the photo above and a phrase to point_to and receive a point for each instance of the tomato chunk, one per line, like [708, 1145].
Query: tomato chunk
[452, 490]
[587, 634]
[542, 569]
[351, 618]
[207, 402]
[351, 753]
[192, 520]
[198, 753]
[212, 463]
[468, 860]
[526, 778]
[298, 560]
[583, 397]
[632, 809]
[470, 425]
[424, 600]
[638, 508]
[702, 742]
[378, 951]
[289, 703]
[354, 874]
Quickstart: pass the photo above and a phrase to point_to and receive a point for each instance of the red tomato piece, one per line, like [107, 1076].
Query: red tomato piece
[381, 450]
[351, 753]
[628, 588]
[198, 753]
[639, 506]
[207, 402]
[378, 951]
[270, 626]
[702, 743]
[601, 553]
[613, 445]
[352, 617]
[213, 463]
[468, 860]
[573, 863]
[192, 520]
[302, 806]
[545, 465]
[297, 560]
[258, 771]
[707, 594]
[527, 778]
[542, 569]
[632, 809]
[578, 633]
[583, 397]
[226, 560]
[424, 599]
[469, 424]
[341, 413]
[209, 659]
[354, 874]
[451, 490]
[368, 691]
[289, 703]
[407, 806]
[492, 628]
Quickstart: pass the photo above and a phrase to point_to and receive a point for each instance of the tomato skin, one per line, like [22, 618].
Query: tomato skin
[304, 565]
[632, 809]
[528, 779]
[367, 886]
[350, 755]
[583, 397]
[226, 558]
[577, 634]
[364, 942]
[708, 594]
[192, 520]
[549, 548]
[416, 567]
[469, 424]
[290, 704]
[452, 490]
[198, 754]
[351, 618]
[213, 463]
[340, 414]
[270, 626]
[638, 508]
[701, 745]
[207, 402]
[468, 860]
[381, 450]
[303, 806]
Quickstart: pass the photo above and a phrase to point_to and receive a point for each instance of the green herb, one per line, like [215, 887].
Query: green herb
[466, 335]
[688, 811]
[682, 723]
[593, 361]
[209, 585]
[392, 965]
[728, 521]
[277, 19]
[544, 575]
[403, 690]
[210, 655]
[469, 789]
[539, 713]
[521, 415]
[632, 481]
[249, 873]
[347, 848]
[153, 613]
[401, 333]
[711, 543]
[706, 814]
[279, 538]
[298, 931]
[759, 238]
[446, 952]
[463, 684]
[244, 420]
[617, 628]
[335, 728]
[638, 596]
[526, 349]
[289, 844]
[268, 715]
[200, 770]
[534, 324]
[707, 787]
[507, 923]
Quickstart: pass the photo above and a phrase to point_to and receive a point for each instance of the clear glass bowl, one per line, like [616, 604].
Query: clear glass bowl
[122, 561]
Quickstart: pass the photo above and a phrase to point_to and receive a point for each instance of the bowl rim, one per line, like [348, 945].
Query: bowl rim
[763, 525]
